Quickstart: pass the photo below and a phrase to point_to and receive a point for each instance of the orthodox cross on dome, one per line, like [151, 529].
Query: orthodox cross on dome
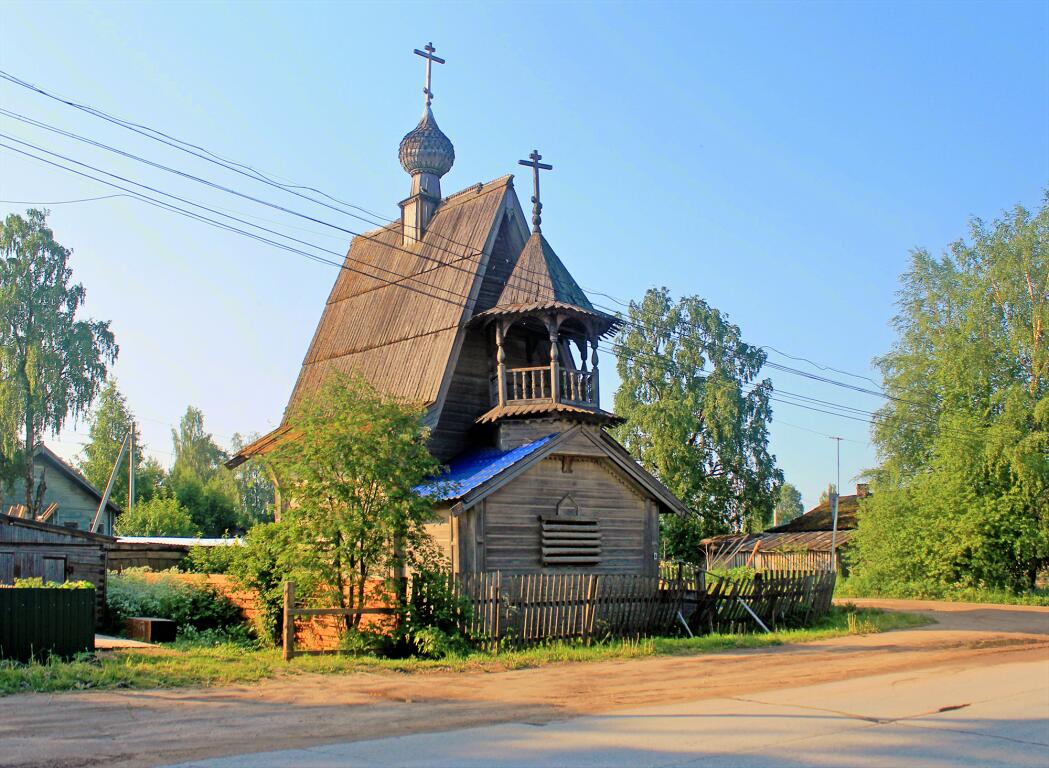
[536, 166]
[427, 53]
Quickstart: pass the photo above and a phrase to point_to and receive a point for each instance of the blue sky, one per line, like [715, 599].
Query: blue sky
[778, 159]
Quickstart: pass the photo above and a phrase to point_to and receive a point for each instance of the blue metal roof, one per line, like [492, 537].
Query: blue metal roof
[473, 469]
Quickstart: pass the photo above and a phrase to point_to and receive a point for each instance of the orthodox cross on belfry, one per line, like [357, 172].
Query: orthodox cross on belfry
[536, 166]
[427, 53]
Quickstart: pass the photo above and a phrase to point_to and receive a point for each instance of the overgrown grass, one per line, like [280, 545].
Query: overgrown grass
[185, 663]
[850, 588]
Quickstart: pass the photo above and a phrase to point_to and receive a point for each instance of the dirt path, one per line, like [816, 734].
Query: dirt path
[146, 728]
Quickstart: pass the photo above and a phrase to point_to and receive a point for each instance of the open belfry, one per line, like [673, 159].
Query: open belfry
[464, 307]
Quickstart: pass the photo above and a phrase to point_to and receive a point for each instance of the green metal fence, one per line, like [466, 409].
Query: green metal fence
[40, 622]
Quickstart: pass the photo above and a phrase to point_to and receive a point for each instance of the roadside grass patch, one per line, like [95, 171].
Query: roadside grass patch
[852, 588]
[191, 664]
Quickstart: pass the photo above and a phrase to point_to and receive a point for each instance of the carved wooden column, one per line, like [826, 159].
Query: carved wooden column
[500, 357]
[593, 372]
[555, 360]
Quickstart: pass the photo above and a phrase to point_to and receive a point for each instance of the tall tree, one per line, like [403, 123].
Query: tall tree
[963, 482]
[111, 420]
[697, 416]
[52, 365]
[788, 505]
[205, 488]
[254, 486]
[350, 476]
[195, 450]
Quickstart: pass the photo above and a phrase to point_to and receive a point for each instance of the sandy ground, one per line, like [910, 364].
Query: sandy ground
[146, 728]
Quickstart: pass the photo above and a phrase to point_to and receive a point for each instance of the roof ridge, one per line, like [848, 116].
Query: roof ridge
[502, 181]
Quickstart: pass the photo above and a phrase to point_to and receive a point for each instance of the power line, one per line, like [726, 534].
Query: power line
[168, 206]
[177, 209]
[219, 224]
[257, 175]
[60, 202]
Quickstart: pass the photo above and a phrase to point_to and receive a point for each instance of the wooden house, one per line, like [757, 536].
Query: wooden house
[69, 500]
[31, 549]
[459, 305]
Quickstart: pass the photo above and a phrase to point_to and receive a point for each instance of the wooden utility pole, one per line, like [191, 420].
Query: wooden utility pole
[834, 524]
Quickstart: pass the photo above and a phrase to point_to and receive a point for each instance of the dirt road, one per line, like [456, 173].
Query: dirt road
[147, 728]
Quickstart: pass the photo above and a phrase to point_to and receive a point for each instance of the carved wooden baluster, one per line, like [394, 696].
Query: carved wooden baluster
[501, 361]
[555, 367]
[595, 396]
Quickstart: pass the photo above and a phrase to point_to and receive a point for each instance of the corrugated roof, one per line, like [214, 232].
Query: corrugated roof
[399, 335]
[473, 469]
[818, 541]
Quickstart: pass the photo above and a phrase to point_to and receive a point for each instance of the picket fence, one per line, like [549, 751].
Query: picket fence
[497, 610]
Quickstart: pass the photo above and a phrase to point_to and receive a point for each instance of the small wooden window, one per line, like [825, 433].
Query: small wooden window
[55, 569]
[7, 567]
[570, 540]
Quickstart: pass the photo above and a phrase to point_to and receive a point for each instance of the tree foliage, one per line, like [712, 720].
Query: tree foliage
[962, 487]
[253, 486]
[111, 420]
[349, 476]
[199, 480]
[788, 505]
[160, 516]
[697, 416]
[52, 365]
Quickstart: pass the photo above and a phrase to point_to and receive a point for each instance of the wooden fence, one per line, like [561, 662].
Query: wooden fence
[772, 599]
[496, 609]
[777, 560]
[529, 608]
[37, 622]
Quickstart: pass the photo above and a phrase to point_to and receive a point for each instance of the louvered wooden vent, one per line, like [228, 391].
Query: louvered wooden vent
[570, 541]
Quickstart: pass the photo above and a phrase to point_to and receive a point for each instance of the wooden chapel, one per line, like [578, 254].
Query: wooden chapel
[459, 306]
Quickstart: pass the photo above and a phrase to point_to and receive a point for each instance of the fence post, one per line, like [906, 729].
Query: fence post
[289, 620]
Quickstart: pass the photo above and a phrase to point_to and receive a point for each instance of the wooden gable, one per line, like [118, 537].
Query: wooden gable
[402, 334]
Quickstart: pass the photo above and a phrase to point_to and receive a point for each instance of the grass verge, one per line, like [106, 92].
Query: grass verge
[1038, 597]
[186, 664]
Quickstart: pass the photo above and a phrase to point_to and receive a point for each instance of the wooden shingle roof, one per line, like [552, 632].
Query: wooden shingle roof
[400, 333]
[539, 277]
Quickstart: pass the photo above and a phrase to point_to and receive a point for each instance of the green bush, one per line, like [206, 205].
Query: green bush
[160, 516]
[435, 616]
[192, 606]
[210, 559]
[35, 582]
[262, 565]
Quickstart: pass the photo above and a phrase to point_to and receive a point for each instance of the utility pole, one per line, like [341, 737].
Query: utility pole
[131, 470]
[834, 524]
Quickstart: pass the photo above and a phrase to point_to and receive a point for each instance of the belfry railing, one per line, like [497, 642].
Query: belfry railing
[533, 385]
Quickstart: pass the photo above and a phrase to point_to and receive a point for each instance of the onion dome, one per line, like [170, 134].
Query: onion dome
[426, 149]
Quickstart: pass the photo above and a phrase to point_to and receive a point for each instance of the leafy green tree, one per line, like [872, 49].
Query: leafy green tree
[199, 481]
[254, 488]
[111, 420]
[828, 493]
[697, 416]
[52, 365]
[788, 505]
[349, 477]
[196, 452]
[160, 516]
[962, 489]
